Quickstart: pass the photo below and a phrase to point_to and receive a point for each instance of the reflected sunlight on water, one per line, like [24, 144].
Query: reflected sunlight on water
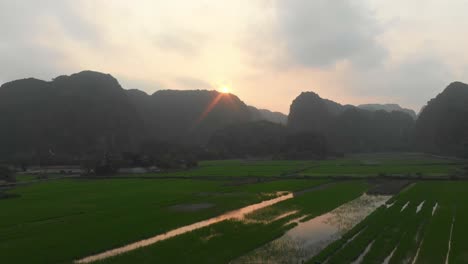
[310, 237]
[237, 214]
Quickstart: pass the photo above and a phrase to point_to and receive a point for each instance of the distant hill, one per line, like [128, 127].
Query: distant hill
[348, 128]
[309, 112]
[71, 115]
[388, 108]
[267, 115]
[442, 126]
[190, 115]
[89, 113]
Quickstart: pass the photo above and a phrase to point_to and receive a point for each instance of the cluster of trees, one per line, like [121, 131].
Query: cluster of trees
[6, 174]
[159, 155]
[266, 139]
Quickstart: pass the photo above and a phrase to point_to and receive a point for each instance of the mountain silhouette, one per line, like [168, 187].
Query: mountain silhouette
[83, 113]
[89, 112]
[388, 108]
[442, 126]
[190, 116]
[267, 115]
[348, 128]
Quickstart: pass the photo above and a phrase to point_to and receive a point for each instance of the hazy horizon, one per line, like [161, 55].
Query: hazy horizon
[266, 52]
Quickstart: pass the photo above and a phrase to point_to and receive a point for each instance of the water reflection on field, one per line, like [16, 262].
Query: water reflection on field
[309, 238]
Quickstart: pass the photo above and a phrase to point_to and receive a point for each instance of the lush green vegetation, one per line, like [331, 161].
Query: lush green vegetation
[238, 168]
[25, 177]
[218, 243]
[228, 240]
[403, 232]
[353, 165]
[59, 221]
[385, 164]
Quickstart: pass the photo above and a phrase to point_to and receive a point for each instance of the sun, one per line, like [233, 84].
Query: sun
[225, 89]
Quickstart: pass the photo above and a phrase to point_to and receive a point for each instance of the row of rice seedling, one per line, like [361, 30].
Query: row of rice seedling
[415, 228]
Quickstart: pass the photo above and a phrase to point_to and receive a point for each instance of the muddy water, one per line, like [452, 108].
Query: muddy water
[309, 238]
[237, 214]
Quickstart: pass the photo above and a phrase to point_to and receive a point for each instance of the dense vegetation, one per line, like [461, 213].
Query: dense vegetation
[6, 174]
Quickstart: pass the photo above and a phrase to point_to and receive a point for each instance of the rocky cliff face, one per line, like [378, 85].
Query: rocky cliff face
[348, 128]
[90, 112]
[442, 126]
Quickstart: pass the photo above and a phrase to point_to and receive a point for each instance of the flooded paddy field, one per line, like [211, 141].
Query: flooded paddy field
[426, 223]
[228, 240]
[309, 237]
[210, 217]
[61, 221]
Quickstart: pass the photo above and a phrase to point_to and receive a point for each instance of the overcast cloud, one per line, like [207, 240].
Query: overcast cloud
[268, 51]
[321, 33]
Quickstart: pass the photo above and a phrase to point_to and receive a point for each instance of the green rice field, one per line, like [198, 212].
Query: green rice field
[64, 220]
[402, 233]
[407, 164]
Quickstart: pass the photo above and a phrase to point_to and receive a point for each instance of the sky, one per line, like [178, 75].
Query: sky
[266, 51]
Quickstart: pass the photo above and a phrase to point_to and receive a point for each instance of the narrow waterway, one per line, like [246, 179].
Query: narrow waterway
[309, 238]
[236, 214]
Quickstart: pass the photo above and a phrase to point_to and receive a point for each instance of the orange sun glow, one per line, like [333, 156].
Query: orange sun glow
[225, 89]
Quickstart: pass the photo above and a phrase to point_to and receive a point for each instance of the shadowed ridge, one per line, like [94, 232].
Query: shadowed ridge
[442, 126]
[388, 108]
[309, 112]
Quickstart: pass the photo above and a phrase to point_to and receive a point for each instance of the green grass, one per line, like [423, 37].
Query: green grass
[354, 165]
[388, 164]
[407, 231]
[374, 170]
[437, 237]
[218, 243]
[25, 177]
[236, 168]
[58, 221]
[228, 240]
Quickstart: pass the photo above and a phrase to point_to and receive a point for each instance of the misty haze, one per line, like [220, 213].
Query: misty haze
[269, 131]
